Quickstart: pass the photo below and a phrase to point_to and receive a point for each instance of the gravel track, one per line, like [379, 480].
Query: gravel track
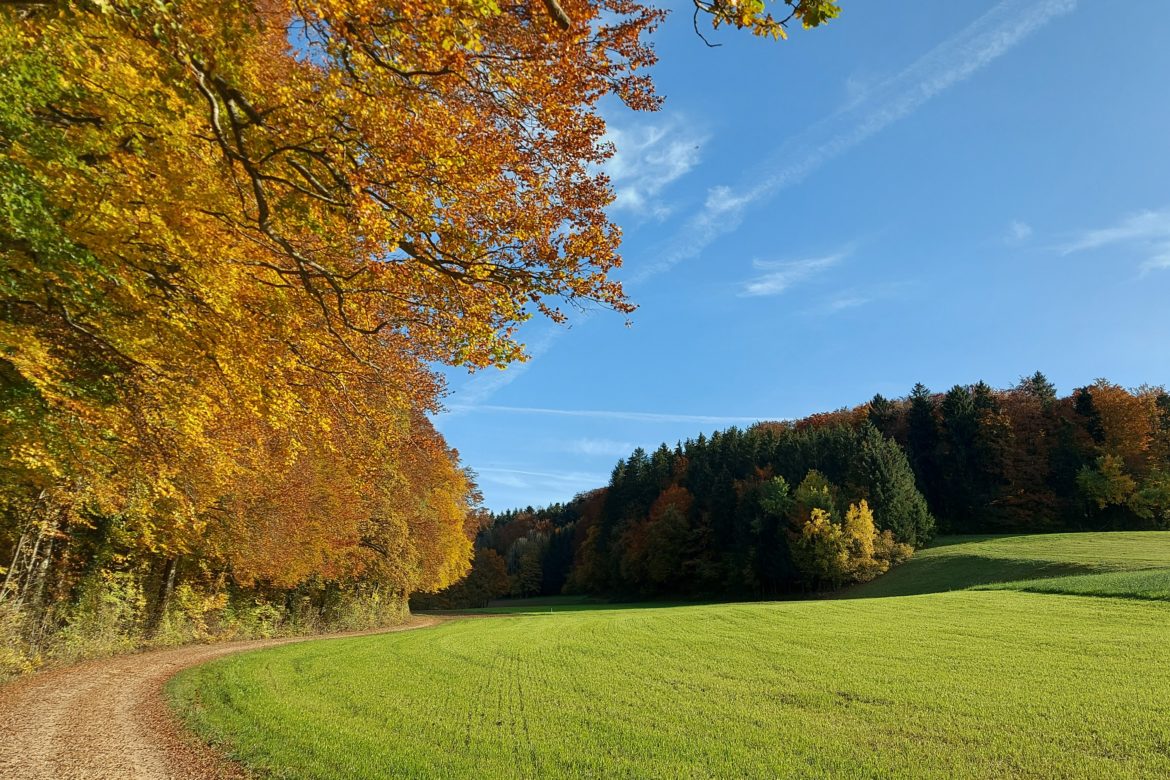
[109, 719]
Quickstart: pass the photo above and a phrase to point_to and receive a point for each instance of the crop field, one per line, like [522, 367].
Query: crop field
[997, 681]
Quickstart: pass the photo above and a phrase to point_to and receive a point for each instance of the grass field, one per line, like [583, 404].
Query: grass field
[960, 562]
[973, 683]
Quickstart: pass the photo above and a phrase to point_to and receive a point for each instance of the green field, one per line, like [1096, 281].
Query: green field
[959, 562]
[990, 682]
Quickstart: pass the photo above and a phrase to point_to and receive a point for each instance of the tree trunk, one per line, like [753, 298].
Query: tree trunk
[11, 578]
[167, 588]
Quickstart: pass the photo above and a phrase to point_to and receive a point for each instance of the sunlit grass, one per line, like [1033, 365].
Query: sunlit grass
[975, 683]
[958, 562]
[1146, 584]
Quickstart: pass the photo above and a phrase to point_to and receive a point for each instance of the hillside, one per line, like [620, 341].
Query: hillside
[1135, 564]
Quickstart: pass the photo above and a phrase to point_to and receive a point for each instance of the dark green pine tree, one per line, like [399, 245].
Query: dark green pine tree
[1162, 403]
[984, 398]
[993, 438]
[1162, 430]
[1039, 387]
[883, 414]
[1084, 406]
[957, 466]
[922, 444]
[898, 506]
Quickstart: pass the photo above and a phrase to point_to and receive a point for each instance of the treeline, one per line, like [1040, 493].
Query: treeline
[765, 511]
[1026, 460]
[736, 513]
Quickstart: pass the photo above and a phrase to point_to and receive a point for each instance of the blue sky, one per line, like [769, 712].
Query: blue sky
[934, 192]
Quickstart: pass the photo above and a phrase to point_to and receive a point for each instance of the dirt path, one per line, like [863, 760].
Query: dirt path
[108, 719]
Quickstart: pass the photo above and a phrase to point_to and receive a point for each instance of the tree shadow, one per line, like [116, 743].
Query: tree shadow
[543, 605]
[939, 574]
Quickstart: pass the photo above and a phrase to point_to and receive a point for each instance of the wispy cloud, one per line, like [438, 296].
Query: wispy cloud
[723, 200]
[511, 475]
[648, 417]
[871, 107]
[844, 301]
[1146, 233]
[600, 447]
[647, 158]
[856, 297]
[778, 276]
[870, 111]
[535, 486]
[489, 381]
[1018, 232]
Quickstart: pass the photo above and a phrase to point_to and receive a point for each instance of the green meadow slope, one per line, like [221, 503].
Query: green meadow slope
[953, 683]
[1134, 564]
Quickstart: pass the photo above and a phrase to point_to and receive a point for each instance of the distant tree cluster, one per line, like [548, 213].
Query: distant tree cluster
[717, 516]
[720, 516]
[523, 552]
[1025, 460]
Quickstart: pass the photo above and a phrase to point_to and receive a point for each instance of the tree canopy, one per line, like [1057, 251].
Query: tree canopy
[237, 236]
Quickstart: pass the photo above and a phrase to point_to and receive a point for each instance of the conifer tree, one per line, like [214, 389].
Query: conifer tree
[899, 506]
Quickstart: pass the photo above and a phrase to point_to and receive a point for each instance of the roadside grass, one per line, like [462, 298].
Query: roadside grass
[967, 684]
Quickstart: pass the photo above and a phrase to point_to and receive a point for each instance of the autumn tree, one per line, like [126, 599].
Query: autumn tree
[1127, 421]
[1106, 484]
[820, 550]
[1151, 500]
[814, 492]
[757, 15]
[487, 580]
[668, 537]
[831, 552]
[235, 239]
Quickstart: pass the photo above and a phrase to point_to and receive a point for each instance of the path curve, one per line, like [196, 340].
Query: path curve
[109, 719]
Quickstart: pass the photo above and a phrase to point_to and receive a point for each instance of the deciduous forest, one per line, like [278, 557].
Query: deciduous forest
[789, 507]
[236, 239]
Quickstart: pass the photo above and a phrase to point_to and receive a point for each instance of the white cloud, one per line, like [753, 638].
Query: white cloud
[650, 417]
[869, 111]
[648, 157]
[780, 275]
[1146, 233]
[721, 200]
[1018, 232]
[603, 447]
[858, 87]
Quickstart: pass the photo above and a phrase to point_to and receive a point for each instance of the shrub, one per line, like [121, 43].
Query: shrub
[106, 619]
[16, 655]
